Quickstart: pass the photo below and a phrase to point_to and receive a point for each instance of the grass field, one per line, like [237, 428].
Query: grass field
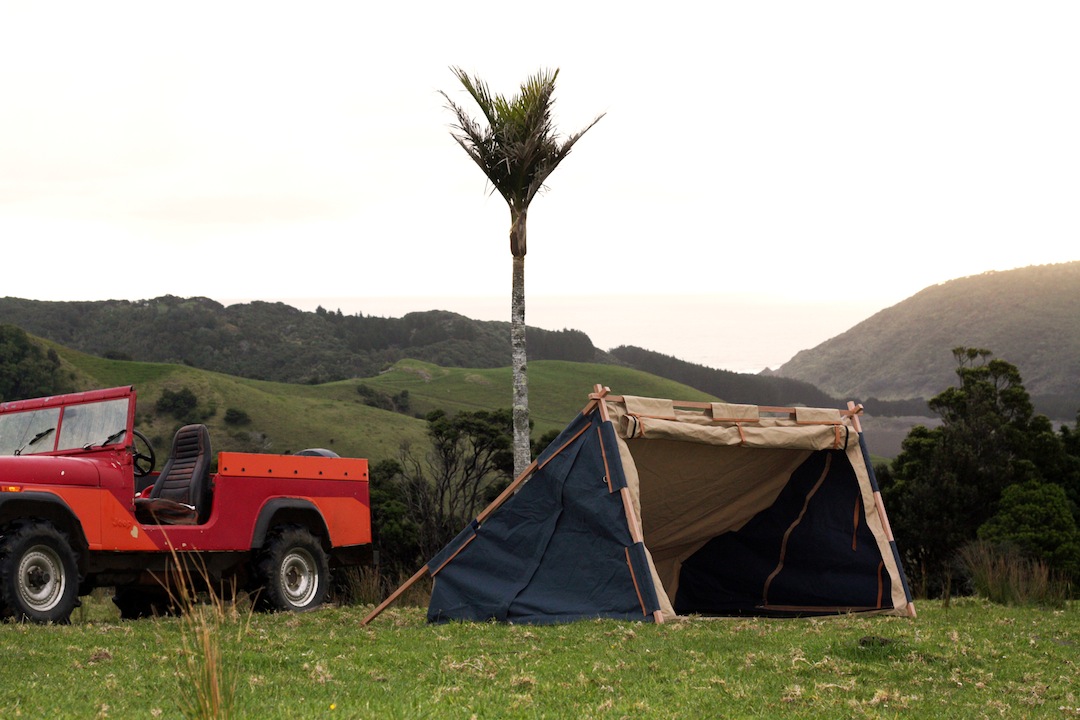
[969, 660]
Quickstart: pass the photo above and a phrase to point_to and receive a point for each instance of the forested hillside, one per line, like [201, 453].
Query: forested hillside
[730, 386]
[891, 362]
[277, 342]
[1029, 317]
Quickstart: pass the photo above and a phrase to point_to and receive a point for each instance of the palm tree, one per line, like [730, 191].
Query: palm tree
[517, 149]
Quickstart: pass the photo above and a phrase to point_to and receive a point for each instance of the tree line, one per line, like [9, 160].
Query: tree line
[273, 341]
[993, 471]
[277, 342]
[26, 370]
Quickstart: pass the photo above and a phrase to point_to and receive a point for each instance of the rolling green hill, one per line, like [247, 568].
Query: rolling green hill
[891, 362]
[288, 417]
[273, 341]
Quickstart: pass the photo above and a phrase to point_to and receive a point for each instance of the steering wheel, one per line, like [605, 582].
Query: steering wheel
[143, 463]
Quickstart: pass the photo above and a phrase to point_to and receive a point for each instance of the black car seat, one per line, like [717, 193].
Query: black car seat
[181, 493]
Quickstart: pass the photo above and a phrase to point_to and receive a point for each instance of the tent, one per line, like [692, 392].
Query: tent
[649, 509]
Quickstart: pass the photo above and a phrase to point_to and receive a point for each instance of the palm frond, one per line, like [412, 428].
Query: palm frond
[520, 147]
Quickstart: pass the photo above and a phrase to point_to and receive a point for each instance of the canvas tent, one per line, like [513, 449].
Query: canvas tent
[647, 508]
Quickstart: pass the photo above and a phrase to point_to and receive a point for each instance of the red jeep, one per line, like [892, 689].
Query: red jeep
[81, 507]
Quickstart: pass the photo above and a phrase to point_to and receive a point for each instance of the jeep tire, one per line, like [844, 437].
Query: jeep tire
[293, 571]
[39, 576]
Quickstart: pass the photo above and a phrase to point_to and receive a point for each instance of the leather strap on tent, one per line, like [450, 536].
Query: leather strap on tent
[633, 578]
[638, 563]
[855, 522]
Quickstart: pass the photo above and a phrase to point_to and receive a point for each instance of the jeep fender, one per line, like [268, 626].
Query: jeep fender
[289, 511]
[45, 506]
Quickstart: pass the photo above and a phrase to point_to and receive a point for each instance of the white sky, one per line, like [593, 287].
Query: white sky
[757, 153]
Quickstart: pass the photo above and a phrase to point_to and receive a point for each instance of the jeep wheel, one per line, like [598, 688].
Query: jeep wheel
[294, 572]
[39, 578]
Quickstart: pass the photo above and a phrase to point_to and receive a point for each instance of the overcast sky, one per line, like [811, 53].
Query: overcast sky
[752, 153]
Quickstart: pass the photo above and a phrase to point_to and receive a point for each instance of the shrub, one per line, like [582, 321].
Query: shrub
[233, 416]
[1006, 576]
[180, 404]
[25, 370]
[1035, 518]
[384, 401]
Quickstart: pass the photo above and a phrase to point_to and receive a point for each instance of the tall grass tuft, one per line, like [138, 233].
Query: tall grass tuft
[357, 586]
[1005, 576]
[367, 585]
[207, 681]
[207, 685]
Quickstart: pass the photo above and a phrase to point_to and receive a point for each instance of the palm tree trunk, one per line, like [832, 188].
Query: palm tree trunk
[522, 449]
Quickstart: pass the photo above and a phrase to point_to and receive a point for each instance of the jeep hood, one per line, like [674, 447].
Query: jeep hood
[49, 470]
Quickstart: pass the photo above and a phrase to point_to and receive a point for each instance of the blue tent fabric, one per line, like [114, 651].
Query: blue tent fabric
[453, 548]
[829, 563]
[556, 551]
[614, 467]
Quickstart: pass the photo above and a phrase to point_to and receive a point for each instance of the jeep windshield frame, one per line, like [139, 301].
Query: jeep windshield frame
[65, 424]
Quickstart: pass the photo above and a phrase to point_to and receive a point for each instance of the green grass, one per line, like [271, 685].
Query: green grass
[970, 660]
[558, 390]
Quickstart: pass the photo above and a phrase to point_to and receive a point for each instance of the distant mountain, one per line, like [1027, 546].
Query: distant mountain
[1029, 317]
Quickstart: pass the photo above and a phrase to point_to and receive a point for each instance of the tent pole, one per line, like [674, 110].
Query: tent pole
[596, 398]
[697, 405]
[505, 494]
[395, 595]
[510, 489]
[855, 411]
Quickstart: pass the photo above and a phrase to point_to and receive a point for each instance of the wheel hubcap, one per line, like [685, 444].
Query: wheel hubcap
[41, 578]
[299, 578]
